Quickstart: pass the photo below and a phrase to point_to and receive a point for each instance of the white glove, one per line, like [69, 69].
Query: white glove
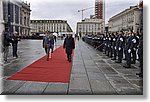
[129, 50]
[134, 40]
[108, 45]
[119, 48]
[134, 48]
[105, 44]
[121, 39]
[115, 48]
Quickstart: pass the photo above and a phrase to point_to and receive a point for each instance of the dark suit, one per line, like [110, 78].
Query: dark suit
[69, 44]
[15, 45]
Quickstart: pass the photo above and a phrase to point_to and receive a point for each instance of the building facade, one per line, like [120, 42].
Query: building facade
[25, 19]
[129, 19]
[99, 9]
[1, 17]
[13, 13]
[90, 26]
[57, 26]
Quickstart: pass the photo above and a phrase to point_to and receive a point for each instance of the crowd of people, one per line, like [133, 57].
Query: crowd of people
[123, 45]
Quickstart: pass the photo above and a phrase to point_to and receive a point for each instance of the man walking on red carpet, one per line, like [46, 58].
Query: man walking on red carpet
[69, 44]
[48, 42]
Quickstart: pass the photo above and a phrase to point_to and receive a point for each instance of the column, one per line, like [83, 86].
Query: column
[1, 17]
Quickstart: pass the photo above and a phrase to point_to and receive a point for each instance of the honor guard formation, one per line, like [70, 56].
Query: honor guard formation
[123, 45]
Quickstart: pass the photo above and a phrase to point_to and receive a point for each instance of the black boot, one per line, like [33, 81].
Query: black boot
[118, 62]
[113, 59]
[140, 74]
[127, 66]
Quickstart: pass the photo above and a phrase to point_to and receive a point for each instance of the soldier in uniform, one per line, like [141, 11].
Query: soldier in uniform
[119, 46]
[130, 49]
[107, 44]
[140, 54]
[135, 44]
[126, 38]
[114, 39]
[101, 43]
[104, 40]
[110, 46]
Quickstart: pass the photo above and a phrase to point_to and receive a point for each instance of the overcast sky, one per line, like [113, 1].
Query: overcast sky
[68, 9]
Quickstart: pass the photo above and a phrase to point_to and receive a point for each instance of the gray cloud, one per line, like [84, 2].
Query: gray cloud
[67, 9]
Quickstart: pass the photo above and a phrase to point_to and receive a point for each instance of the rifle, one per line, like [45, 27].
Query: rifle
[99, 46]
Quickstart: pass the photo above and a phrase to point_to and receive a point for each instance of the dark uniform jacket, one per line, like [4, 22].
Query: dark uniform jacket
[140, 46]
[114, 39]
[120, 42]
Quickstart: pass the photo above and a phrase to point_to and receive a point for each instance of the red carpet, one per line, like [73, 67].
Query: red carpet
[57, 69]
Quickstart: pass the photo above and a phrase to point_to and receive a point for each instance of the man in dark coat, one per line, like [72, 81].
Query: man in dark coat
[15, 40]
[6, 40]
[69, 44]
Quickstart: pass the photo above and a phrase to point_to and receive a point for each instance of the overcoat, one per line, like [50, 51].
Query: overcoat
[69, 44]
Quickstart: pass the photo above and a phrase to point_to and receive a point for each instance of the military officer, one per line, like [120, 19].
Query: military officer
[110, 46]
[130, 49]
[114, 39]
[119, 46]
[140, 54]
[135, 42]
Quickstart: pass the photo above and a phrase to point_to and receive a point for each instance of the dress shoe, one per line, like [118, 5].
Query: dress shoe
[110, 56]
[113, 59]
[132, 62]
[118, 62]
[126, 66]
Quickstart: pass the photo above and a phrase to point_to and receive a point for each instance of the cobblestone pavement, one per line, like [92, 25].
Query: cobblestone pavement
[92, 73]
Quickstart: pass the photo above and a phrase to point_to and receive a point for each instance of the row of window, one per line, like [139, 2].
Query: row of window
[48, 21]
[52, 27]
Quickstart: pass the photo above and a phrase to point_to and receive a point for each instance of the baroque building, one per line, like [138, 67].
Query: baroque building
[57, 26]
[14, 12]
[1, 17]
[90, 26]
[129, 19]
